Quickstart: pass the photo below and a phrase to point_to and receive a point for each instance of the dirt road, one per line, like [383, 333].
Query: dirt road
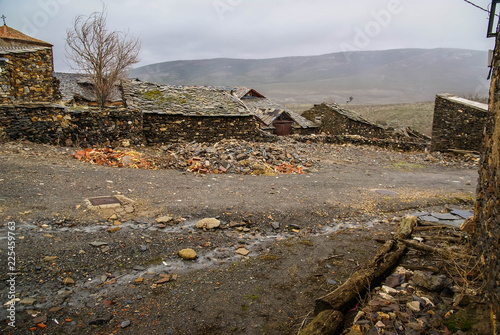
[115, 258]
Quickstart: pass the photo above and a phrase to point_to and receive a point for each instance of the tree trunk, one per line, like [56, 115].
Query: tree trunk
[325, 323]
[386, 259]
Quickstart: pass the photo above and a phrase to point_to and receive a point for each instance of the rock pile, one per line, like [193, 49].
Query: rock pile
[411, 303]
[233, 156]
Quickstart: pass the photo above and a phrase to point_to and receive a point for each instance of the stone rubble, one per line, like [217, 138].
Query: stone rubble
[406, 307]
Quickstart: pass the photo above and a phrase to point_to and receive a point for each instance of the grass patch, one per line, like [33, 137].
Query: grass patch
[160, 98]
[153, 261]
[268, 257]
[306, 242]
[418, 115]
[253, 298]
[462, 320]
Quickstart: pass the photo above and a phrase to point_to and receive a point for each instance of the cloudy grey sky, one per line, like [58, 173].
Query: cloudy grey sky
[197, 29]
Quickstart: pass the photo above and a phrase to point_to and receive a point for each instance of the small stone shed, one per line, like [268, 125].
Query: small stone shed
[336, 120]
[458, 124]
[26, 66]
[272, 116]
[187, 113]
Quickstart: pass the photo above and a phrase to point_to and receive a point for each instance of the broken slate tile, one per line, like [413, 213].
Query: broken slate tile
[98, 244]
[419, 214]
[395, 280]
[444, 216]
[125, 324]
[454, 223]
[462, 214]
[428, 218]
[101, 320]
[40, 319]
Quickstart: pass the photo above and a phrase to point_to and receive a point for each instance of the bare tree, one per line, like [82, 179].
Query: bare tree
[104, 55]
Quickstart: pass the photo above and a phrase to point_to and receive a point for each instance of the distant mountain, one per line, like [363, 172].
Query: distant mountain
[371, 77]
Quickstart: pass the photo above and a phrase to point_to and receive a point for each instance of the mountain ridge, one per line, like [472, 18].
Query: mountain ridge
[376, 77]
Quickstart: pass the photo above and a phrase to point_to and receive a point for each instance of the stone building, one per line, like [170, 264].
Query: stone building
[458, 124]
[272, 116]
[26, 68]
[189, 113]
[336, 120]
[487, 211]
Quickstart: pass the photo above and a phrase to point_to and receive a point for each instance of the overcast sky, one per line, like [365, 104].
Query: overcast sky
[198, 29]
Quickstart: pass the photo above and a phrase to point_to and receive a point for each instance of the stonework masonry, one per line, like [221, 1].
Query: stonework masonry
[458, 124]
[164, 127]
[26, 76]
[487, 211]
[53, 124]
[57, 125]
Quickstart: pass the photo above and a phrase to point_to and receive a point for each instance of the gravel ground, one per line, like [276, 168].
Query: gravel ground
[87, 270]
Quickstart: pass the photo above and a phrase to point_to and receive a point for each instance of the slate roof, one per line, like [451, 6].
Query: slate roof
[75, 86]
[350, 115]
[182, 100]
[11, 36]
[267, 111]
[243, 92]
[268, 116]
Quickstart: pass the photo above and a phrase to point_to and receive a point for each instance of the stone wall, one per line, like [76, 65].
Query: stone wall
[53, 124]
[27, 76]
[487, 211]
[458, 124]
[166, 127]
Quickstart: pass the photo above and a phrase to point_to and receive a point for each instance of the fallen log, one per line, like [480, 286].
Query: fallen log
[440, 251]
[325, 323]
[430, 228]
[362, 280]
[449, 239]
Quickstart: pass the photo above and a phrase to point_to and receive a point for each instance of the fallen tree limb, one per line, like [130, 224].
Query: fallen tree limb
[386, 259]
[326, 322]
[449, 239]
[444, 252]
[430, 228]
[329, 308]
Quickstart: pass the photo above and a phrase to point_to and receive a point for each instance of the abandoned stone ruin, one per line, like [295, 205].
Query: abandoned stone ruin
[60, 109]
[458, 124]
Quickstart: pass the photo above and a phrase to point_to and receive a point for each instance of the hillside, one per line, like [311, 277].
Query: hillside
[371, 77]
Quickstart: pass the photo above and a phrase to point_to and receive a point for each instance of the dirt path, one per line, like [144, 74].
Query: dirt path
[290, 224]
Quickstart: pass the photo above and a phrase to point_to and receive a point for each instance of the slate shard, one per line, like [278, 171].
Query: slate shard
[104, 201]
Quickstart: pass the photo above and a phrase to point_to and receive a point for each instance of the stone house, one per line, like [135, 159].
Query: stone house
[188, 113]
[272, 116]
[336, 120]
[26, 68]
[458, 123]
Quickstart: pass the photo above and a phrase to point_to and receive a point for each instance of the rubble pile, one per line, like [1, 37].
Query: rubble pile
[114, 158]
[410, 302]
[236, 156]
